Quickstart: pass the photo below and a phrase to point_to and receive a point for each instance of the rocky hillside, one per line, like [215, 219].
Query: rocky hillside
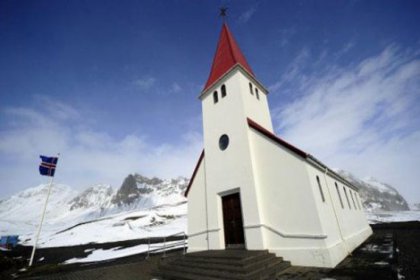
[140, 192]
[377, 195]
[20, 213]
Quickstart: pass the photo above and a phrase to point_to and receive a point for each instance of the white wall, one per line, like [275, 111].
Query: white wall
[352, 220]
[230, 169]
[197, 229]
[294, 208]
[255, 109]
[290, 209]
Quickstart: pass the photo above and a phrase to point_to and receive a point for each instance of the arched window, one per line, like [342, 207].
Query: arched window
[251, 89]
[320, 189]
[339, 195]
[215, 97]
[347, 197]
[352, 198]
[359, 202]
[223, 91]
[257, 94]
[223, 142]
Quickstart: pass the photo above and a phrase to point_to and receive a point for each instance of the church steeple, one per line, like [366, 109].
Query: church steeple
[228, 55]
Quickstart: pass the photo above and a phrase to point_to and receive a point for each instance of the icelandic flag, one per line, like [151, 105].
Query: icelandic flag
[47, 166]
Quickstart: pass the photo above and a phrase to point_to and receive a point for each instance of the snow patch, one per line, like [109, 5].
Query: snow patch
[115, 253]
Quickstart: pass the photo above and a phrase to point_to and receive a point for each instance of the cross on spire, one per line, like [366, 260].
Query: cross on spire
[223, 11]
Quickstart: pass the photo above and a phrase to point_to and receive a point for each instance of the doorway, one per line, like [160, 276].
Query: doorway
[232, 221]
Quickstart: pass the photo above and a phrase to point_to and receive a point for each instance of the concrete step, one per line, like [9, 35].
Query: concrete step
[239, 263]
[234, 265]
[226, 265]
[269, 272]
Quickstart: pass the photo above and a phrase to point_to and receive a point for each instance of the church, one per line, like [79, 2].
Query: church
[252, 190]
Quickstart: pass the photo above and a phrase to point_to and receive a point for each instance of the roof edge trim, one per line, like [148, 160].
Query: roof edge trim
[308, 157]
[277, 139]
[200, 159]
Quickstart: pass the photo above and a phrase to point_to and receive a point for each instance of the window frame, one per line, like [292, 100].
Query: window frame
[352, 198]
[215, 97]
[347, 197]
[320, 188]
[223, 91]
[339, 195]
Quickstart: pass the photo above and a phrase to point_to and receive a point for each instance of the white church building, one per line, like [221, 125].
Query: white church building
[252, 190]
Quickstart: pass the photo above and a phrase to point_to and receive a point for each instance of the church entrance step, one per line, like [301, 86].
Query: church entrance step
[221, 264]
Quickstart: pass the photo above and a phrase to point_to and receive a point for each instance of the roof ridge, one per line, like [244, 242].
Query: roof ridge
[230, 41]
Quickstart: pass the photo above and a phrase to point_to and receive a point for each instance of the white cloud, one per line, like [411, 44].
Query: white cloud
[363, 117]
[88, 156]
[247, 15]
[175, 87]
[286, 35]
[294, 70]
[145, 83]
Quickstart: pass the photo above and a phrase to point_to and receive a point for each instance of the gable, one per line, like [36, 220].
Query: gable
[307, 157]
[197, 166]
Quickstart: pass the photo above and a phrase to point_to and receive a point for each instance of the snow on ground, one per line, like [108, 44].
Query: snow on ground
[115, 253]
[126, 226]
[155, 222]
[392, 216]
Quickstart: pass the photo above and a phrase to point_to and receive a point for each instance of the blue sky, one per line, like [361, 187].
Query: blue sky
[113, 85]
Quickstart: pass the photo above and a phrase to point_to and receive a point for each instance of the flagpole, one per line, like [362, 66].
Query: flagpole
[42, 220]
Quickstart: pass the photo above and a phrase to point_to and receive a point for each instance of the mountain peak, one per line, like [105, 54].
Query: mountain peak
[97, 195]
[376, 195]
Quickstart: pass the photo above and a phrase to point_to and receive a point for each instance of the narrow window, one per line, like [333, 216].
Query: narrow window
[355, 201]
[347, 197]
[320, 189]
[257, 94]
[359, 202]
[250, 89]
[352, 198]
[223, 91]
[215, 97]
[339, 195]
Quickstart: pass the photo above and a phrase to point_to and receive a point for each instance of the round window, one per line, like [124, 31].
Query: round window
[223, 142]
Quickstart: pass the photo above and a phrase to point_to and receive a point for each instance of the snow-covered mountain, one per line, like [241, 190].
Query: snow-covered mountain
[99, 213]
[375, 195]
[142, 207]
[415, 206]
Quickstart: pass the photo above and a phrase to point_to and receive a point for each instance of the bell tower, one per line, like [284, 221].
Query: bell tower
[231, 77]
[231, 95]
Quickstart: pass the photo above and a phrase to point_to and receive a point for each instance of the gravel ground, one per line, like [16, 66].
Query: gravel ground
[392, 252]
[407, 239]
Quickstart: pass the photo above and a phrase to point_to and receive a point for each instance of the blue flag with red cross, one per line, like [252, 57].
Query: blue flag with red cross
[47, 166]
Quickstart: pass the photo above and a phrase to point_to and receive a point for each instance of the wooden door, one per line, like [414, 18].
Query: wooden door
[232, 220]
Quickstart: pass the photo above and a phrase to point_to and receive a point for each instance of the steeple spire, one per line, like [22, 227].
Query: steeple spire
[228, 55]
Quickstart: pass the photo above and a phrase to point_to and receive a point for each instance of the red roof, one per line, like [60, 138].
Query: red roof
[194, 173]
[227, 55]
[275, 138]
